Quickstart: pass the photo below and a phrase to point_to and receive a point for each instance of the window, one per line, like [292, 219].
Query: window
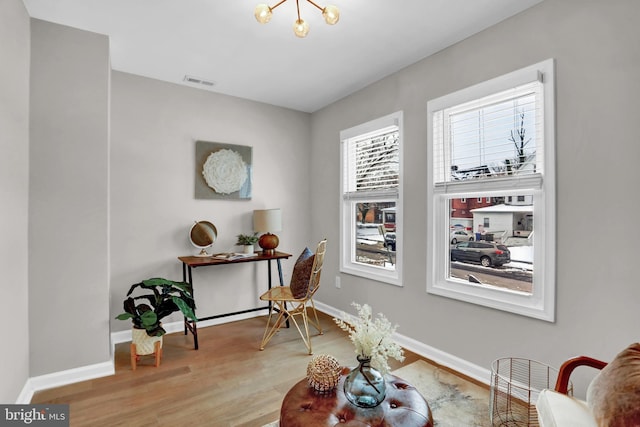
[495, 140]
[371, 208]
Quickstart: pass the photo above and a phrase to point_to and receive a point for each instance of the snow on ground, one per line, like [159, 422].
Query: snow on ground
[521, 257]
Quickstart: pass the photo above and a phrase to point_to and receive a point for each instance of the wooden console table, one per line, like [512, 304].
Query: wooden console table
[190, 262]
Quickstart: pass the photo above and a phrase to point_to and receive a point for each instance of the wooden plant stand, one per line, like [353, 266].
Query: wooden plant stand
[135, 356]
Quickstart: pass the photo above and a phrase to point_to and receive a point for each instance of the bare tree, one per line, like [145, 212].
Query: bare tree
[519, 140]
[378, 163]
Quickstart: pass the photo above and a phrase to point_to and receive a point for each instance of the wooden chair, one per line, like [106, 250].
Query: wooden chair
[558, 407]
[289, 303]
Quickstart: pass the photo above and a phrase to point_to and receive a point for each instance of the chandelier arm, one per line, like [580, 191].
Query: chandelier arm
[298, 7]
[277, 4]
[313, 3]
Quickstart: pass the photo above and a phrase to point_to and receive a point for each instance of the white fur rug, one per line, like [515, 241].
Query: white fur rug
[454, 402]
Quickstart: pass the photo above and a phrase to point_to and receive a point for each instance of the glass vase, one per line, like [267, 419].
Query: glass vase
[364, 385]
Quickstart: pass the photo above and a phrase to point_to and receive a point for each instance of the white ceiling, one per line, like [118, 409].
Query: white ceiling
[220, 41]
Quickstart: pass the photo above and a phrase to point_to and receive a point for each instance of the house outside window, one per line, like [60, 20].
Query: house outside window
[371, 208]
[496, 140]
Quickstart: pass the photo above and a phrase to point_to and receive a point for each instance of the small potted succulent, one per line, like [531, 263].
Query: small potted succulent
[247, 240]
[147, 310]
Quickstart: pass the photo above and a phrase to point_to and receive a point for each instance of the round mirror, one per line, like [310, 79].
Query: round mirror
[202, 235]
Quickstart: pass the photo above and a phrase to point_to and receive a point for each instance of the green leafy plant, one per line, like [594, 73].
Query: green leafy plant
[247, 239]
[165, 297]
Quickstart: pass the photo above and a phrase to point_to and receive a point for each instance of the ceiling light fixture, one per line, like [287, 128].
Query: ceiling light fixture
[331, 14]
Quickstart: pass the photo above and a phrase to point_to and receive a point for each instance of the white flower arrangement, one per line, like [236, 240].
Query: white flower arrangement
[372, 337]
[225, 171]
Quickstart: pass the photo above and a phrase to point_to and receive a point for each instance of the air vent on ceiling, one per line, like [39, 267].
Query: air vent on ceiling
[198, 81]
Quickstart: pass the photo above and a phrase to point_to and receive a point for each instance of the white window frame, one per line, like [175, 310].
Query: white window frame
[347, 206]
[540, 303]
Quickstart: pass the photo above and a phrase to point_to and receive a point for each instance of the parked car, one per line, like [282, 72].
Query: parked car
[460, 236]
[390, 241]
[374, 235]
[486, 253]
[369, 234]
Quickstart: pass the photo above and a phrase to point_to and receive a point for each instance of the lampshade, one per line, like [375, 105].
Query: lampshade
[265, 221]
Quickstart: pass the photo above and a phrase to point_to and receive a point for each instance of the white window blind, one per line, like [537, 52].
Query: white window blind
[372, 164]
[497, 136]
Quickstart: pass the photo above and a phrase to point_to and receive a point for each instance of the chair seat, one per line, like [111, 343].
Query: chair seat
[279, 293]
[557, 409]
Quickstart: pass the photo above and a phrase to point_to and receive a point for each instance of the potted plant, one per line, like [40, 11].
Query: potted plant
[365, 386]
[146, 311]
[247, 240]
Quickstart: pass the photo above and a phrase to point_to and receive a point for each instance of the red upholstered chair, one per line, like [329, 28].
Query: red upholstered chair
[613, 396]
[289, 302]
[558, 407]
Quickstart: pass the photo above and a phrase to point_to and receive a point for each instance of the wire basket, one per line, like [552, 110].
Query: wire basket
[515, 386]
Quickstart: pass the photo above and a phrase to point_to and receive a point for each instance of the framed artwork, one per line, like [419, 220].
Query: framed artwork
[223, 171]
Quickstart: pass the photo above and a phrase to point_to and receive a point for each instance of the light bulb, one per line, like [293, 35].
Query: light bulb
[331, 14]
[301, 28]
[263, 13]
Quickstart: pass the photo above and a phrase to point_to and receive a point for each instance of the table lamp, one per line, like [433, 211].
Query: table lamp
[267, 221]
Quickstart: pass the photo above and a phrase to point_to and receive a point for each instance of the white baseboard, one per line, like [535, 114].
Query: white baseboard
[450, 361]
[440, 357]
[61, 378]
[104, 369]
[174, 327]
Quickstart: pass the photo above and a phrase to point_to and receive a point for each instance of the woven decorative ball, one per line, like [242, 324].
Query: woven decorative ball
[323, 373]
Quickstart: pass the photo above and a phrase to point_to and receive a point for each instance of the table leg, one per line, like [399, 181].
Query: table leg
[279, 272]
[281, 283]
[184, 279]
[188, 324]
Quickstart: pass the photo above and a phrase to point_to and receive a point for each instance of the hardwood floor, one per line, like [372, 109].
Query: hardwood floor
[227, 382]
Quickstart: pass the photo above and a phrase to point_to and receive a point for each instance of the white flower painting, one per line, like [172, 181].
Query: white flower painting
[222, 171]
[225, 171]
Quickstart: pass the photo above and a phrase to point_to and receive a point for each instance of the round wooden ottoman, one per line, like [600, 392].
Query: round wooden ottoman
[403, 406]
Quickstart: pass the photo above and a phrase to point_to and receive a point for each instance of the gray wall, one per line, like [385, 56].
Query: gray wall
[68, 199]
[14, 181]
[150, 182]
[155, 126]
[595, 44]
